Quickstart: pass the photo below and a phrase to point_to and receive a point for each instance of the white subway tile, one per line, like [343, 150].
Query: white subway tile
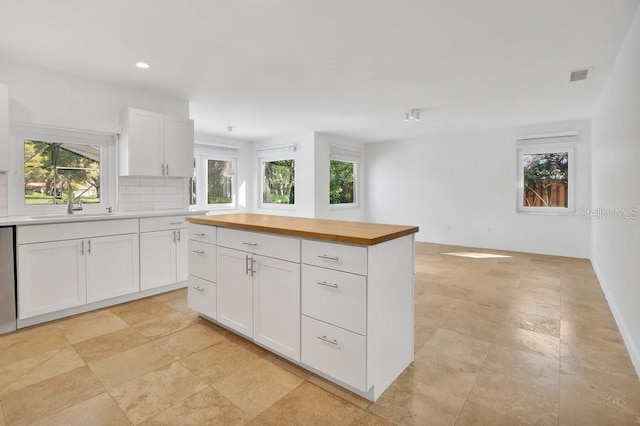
[129, 181]
[153, 182]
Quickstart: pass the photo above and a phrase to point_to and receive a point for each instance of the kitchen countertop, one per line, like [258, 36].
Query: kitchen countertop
[88, 217]
[361, 233]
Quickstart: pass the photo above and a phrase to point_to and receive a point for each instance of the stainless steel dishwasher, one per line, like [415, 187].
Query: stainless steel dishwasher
[7, 281]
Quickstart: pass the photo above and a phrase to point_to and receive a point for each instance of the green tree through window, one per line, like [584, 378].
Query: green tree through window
[341, 182]
[47, 165]
[279, 182]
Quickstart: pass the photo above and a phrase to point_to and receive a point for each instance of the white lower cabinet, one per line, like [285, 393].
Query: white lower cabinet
[112, 267]
[276, 305]
[202, 296]
[334, 351]
[235, 291]
[58, 275]
[163, 258]
[52, 277]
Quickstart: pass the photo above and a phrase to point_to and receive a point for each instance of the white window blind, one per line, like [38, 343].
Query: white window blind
[276, 150]
[548, 138]
[344, 153]
[230, 151]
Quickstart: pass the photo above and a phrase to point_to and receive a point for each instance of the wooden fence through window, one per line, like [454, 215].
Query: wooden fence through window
[545, 194]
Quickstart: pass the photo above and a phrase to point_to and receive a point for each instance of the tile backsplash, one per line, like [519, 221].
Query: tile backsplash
[148, 193]
[3, 194]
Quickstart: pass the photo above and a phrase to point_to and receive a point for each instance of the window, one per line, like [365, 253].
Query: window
[50, 167]
[343, 176]
[342, 182]
[545, 174]
[213, 185]
[54, 164]
[279, 182]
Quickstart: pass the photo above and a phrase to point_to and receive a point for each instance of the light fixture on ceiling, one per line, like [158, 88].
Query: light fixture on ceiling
[228, 167]
[142, 65]
[412, 115]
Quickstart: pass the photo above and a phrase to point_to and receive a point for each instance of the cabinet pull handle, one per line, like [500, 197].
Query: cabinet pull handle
[250, 244]
[163, 172]
[324, 256]
[326, 339]
[174, 236]
[82, 247]
[89, 244]
[198, 288]
[199, 234]
[326, 284]
[198, 251]
[179, 235]
[177, 223]
[253, 264]
[167, 170]
[246, 265]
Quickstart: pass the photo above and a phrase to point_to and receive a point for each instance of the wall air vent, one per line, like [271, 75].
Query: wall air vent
[579, 75]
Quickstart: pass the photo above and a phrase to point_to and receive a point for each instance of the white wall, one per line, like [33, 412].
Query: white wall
[460, 189]
[616, 185]
[323, 209]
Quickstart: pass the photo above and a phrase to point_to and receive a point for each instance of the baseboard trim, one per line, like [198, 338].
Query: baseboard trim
[634, 353]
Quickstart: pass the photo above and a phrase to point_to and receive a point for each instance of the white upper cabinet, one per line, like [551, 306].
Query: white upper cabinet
[4, 128]
[153, 144]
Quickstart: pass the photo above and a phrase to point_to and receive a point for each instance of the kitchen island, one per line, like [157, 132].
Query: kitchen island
[334, 297]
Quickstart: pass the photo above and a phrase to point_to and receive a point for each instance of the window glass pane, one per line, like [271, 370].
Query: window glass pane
[341, 182]
[219, 182]
[546, 180]
[49, 165]
[279, 182]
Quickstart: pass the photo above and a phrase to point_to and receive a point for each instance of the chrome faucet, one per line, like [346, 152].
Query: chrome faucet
[70, 207]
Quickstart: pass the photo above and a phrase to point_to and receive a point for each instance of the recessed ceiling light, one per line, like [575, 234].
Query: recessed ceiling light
[142, 65]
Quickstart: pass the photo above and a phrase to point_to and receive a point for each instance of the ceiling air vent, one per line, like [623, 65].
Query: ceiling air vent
[579, 75]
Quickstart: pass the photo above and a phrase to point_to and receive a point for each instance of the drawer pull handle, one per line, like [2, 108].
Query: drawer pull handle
[176, 223]
[198, 251]
[198, 288]
[324, 256]
[250, 244]
[199, 234]
[326, 284]
[326, 339]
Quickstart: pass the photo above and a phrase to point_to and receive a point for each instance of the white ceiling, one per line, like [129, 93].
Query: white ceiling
[351, 67]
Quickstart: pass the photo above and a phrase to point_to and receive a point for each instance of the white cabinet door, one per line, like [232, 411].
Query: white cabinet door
[276, 306]
[146, 143]
[113, 267]
[182, 254]
[234, 291]
[178, 146]
[157, 259]
[51, 277]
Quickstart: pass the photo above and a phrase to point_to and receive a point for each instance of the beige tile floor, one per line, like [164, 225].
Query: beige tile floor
[522, 339]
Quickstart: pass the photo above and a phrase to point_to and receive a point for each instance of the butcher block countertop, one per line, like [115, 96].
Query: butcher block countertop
[361, 233]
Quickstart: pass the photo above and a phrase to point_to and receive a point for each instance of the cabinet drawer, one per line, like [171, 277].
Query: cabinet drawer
[148, 224]
[334, 351]
[202, 260]
[269, 245]
[204, 233]
[202, 296]
[341, 257]
[335, 297]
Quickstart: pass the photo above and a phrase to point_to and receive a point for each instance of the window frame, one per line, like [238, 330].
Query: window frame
[202, 155]
[525, 147]
[267, 158]
[108, 167]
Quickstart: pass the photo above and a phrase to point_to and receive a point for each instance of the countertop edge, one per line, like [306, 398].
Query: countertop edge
[43, 220]
[212, 221]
